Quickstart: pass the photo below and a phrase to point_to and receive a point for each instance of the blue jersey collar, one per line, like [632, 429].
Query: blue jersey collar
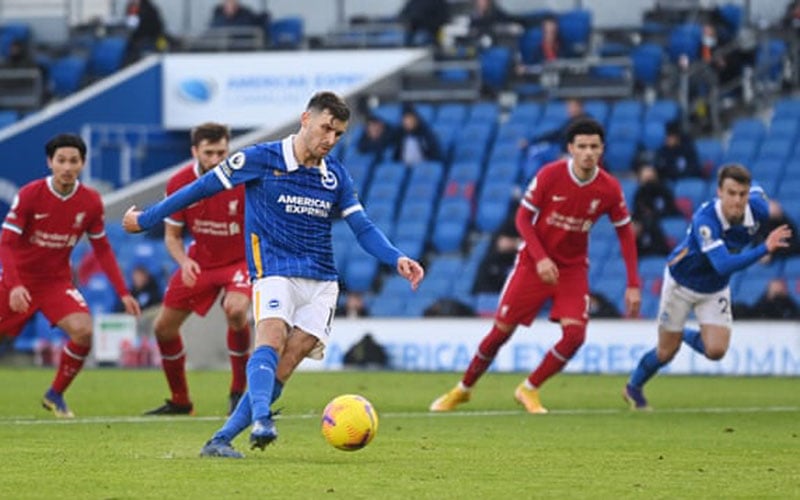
[749, 220]
[291, 161]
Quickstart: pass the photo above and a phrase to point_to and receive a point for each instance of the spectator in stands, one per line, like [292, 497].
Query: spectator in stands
[423, 20]
[487, 18]
[776, 303]
[677, 157]
[230, 13]
[415, 142]
[791, 18]
[19, 55]
[650, 237]
[601, 307]
[653, 199]
[147, 29]
[144, 288]
[376, 137]
[499, 260]
[777, 217]
[550, 43]
[353, 306]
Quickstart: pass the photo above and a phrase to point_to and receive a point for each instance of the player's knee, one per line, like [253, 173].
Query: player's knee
[715, 353]
[573, 337]
[81, 335]
[236, 316]
[164, 331]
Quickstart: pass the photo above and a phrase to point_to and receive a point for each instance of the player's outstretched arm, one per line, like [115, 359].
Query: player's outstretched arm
[411, 270]
[130, 221]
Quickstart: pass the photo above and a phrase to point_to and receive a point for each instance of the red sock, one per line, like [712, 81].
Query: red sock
[239, 352]
[72, 358]
[173, 360]
[487, 350]
[557, 357]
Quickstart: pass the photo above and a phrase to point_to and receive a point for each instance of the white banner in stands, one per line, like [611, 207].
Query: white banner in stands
[757, 348]
[265, 89]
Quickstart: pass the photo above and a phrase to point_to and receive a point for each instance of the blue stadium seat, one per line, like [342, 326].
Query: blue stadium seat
[769, 59]
[626, 110]
[427, 172]
[515, 131]
[66, 75]
[8, 117]
[778, 148]
[465, 151]
[784, 128]
[483, 112]
[692, 188]
[445, 133]
[789, 189]
[495, 65]
[741, 151]
[99, 294]
[389, 112]
[465, 171]
[450, 225]
[391, 172]
[13, 32]
[530, 46]
[426, 111]
[525, 113]
[647, 61]
[413, 247]
[505, 151]
[454, 113]
[107, 55]
[502, 170]
[786, 108]
[749, 129]
[710, 153]
[791, 267]
[597, 109]
[663, 110]
[619, 155]
[684, 40]
[574, 30]
[388, 307]
[651, 267]
[653, 135]
[383, 191]
[287, 32]
[360, 271]
[555, 112]
[486, 303]
[674, 229]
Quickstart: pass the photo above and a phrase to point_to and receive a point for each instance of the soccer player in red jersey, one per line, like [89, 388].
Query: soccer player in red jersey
[214, 262]
[561, 204]
[47, 218]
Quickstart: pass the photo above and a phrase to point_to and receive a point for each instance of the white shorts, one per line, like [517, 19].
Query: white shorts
[303, 303]
[677, 302]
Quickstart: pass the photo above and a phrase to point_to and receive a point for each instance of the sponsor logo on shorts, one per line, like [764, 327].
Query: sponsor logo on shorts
[274, 304]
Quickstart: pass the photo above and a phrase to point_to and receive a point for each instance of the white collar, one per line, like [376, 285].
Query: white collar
[749, 220]
[52, 188]
[291, 162]
[575, 177]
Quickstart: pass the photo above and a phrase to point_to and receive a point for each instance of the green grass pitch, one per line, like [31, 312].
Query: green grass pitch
[708, 437]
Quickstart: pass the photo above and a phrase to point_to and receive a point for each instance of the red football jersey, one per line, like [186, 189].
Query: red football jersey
[49, 225]
[215, 223]
[566, 208]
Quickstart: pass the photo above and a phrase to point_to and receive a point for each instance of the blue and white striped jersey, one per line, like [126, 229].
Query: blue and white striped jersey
[713, 249]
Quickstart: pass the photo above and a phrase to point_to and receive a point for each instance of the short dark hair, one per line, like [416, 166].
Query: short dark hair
[211, 132]
[735, 171]
[332, 102]
[585, 126]
[65, 141]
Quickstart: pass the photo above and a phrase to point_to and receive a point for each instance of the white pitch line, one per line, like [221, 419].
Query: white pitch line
[8, 421]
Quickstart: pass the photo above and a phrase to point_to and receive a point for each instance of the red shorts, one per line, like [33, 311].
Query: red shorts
[200, 297]
[56, 300]
[524, 294]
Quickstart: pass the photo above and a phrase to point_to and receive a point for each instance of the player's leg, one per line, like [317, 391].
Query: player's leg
[235, 305]
[570, 309]
[173, 360]
[64, 306]
[714, 314]
[673, 310]
[73, 355]
[522, 296]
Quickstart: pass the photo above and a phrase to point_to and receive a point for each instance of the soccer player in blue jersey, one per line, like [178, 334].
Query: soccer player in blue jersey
[717, 244]
[293, 190]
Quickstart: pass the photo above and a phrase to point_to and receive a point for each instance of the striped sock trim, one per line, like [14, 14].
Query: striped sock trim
[72, 354]
[175, 356]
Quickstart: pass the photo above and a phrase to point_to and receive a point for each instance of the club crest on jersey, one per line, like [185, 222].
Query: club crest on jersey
[329, 180]
[237, 161]
[705, 233]
[79, 219]
[593, 205]
[233, 206]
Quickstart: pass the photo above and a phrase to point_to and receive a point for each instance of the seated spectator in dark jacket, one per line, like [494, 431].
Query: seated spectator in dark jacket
[777, 217]
[377, 136]
[499, 259]
[423, 20]
[487, 17]
[601, 307]
[231, 14]
[677, 157]
[148, 33]
[650, 237]
[776, 303]
[653, 198]
[415, 142]
[144, 288]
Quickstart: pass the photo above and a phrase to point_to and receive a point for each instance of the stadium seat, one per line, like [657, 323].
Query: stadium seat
[684, 40]
[769, 59]
[597, 109]
[427, 172]
[653, 135]
[619, 155]
[574, 31]
[389, 112]
[530, 46]
[8, 117]
[751, 129]
[12, 32]
[361, 271]
[67, 75]
[786, 108]
[287, 32]
[710, 153]
[696, 190]
[626, 110]
[495, 65]
[483, 112]
[454, 113]
[651, 267]
[778, 148]
[647, 61]
[663, 110]
[526, 114]
[107, 55]
[741, 151]
[383, 191]
[674, 229]
[784, 128]
[390, 172]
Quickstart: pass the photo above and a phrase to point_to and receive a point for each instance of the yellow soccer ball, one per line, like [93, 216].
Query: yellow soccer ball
[349, 422]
